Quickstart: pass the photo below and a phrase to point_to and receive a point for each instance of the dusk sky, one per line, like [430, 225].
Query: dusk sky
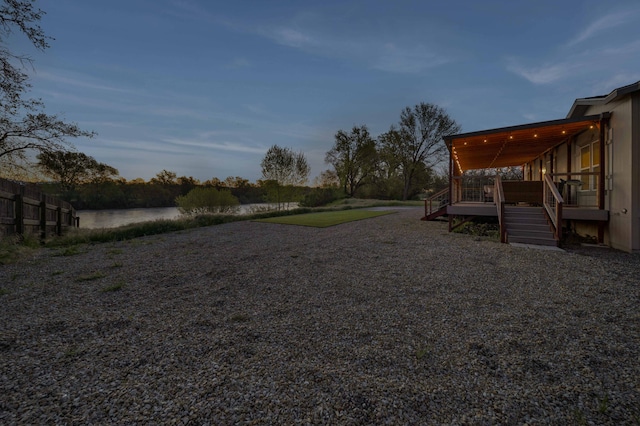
[204, 88]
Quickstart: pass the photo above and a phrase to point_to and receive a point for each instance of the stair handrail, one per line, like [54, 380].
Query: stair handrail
[439, 196]
[498, 196]
[552, 202]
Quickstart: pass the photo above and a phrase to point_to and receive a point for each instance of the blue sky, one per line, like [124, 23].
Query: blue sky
[204, 88]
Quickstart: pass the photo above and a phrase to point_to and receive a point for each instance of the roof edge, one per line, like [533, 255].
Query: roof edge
[595, 117]
[581, 105]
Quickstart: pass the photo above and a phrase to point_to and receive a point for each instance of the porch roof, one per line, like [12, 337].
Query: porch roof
[515, 145]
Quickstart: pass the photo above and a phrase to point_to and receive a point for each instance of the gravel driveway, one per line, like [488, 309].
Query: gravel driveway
[383, 321]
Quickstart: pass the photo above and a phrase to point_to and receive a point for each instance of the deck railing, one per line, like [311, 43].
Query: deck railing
[553, 201]
[472, 188]
[578, 189]
[436, 202]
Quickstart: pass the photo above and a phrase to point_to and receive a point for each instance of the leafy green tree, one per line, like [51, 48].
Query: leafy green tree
[327, 179]
[186, 184]
[215, 182]
[353, 156]
[418, 142]
[165, 177]
[71, 169]
[207, 200]
[283, 170]
[24, 126]
[236, 182]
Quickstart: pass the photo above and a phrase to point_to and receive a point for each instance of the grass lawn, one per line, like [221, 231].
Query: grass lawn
[325, 219]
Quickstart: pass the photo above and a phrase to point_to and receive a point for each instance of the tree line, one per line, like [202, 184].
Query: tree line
[398, 164]
[88, 190]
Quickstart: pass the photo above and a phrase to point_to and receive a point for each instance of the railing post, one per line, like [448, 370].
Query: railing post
[559, 220]
[503, 226]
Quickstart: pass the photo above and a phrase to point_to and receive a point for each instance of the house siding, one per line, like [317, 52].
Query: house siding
[635, 137]
[622, 186]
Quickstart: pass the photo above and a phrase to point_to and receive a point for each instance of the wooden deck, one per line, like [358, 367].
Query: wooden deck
[489, 209]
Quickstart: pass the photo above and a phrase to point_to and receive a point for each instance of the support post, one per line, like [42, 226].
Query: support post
[450, 143]
[569, 158]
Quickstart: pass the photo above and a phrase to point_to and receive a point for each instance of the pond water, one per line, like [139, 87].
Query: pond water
[91, 219]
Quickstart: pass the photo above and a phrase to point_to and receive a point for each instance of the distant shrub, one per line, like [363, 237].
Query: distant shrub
[207, 200]
[319, 197]
[485, 227]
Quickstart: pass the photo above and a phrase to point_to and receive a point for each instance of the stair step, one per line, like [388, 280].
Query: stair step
[523, 209]
[529, 227]
[524, 215]
[531, 234]
[531, 240]
[526, 219]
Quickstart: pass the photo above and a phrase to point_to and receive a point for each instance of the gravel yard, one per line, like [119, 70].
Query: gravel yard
[383, 321]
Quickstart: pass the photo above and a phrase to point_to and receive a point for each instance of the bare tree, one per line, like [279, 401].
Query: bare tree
[24, 126]
[418, 141]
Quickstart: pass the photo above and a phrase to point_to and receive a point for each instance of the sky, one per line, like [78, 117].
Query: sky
[203, 88]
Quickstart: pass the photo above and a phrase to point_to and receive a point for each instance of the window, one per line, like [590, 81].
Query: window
[590, 162]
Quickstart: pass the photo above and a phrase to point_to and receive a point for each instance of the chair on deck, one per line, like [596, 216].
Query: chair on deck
[564, 187]
[488, 193]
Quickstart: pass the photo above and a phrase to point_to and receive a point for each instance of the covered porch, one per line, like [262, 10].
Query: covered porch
[561, 191]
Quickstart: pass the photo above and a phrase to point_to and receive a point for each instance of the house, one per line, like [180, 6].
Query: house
[580, 173]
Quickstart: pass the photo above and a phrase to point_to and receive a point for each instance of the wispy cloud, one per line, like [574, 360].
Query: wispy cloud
[217, 145]
[542, 75]
[308, 33]
[290, 37]
[611, 20]
[239, 62]
[373, 52]
[625, 56]
[393, 58]
[617, 80]
[75, 80]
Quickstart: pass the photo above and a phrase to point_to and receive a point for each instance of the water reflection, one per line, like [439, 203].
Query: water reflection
[91, 219]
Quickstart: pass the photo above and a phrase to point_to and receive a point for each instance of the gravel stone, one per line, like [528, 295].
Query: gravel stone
[389, 320]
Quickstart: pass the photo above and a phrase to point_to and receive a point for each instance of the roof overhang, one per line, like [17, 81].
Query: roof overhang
[580, 106]
[516, 145]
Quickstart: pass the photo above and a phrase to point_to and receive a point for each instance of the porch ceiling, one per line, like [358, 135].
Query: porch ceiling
[513, 146]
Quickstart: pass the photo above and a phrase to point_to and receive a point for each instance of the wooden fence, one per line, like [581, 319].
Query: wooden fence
[24, 209]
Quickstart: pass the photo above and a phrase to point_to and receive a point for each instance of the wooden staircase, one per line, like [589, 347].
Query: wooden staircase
[436, 205]
[528, 225]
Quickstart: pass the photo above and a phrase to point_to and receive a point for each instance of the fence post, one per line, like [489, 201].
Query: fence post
[59, 221]
[18, 212]
[43, 218]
